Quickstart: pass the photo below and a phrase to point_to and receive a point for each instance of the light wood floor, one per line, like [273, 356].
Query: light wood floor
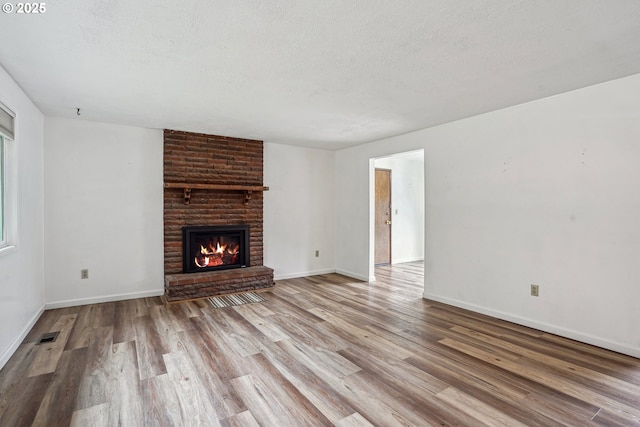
[323, 350]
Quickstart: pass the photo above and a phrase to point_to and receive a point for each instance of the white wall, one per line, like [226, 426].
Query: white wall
[353, 239]
[299, 210]
[21, 268]
[407, 205]
[545, 193]
[108, 179]
[103, 212]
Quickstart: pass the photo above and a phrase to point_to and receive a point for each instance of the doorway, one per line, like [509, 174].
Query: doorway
[406, 210]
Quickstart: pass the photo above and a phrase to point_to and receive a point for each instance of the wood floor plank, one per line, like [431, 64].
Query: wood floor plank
[24, 401]
[415, 392]
[125, 400]
[106, 314]
[311, 385]
[323, 363]
[94, 416]
[233, 330]
[298, 407]
[382, 405]
[124, 315]
[13, 373]
[262, 404]
[354, 420]
[167, 330]
[480, 411]
[310, 334]
[228, 363]
[212, 375]
[621, 368]
[149, 348]
[320, 350]
[47, 355]
[475, 320]
[621, 389]
[94, 387]
[358, 334]
[555, 405]
[501, 388]
[87, 321]
[179, 316]
[58, 404]
[45, 322]
[605, 418]
[290, 308]
[160, 402]
[263, 325]
[417, 386]
[195, 406]
[191, 309]
[568, 387]
[620, 361]
[243, 419]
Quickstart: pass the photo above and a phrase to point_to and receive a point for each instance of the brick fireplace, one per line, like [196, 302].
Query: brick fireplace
[212, 181]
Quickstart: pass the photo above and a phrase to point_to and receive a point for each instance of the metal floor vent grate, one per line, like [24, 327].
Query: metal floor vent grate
[48, 338]
[235, 299]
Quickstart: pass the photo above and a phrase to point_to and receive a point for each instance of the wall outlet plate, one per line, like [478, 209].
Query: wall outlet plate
[84, 273]
[535, 290]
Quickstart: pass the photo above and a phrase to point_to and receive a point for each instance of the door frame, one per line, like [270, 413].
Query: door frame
[371, 213]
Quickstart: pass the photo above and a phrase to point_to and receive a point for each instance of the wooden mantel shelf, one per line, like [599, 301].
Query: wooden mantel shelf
[248, 189]
[228, 187]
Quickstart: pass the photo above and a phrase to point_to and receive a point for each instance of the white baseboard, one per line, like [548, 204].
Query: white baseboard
[16, 343]
[327, 271]
[402, 261]
[303, 274]
[356, 275]
[552, 329]
[106, 298]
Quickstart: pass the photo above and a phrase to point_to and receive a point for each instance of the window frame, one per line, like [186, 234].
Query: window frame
[3, 231]
[8, 182]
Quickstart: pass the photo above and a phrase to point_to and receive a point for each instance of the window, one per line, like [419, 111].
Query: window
[7, 182]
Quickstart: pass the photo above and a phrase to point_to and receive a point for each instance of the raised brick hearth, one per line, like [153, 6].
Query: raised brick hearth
[179, 287]
[208, 159]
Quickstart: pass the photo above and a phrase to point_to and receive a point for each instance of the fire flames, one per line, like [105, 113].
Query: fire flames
[215, 254]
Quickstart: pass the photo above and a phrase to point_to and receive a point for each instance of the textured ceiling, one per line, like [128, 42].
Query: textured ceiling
[327, 73]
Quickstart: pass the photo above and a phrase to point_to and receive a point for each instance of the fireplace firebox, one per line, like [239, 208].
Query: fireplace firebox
[214, 247]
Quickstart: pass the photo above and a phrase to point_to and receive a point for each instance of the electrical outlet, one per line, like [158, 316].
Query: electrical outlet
[84, 274]
[535, 290]
[317, 253]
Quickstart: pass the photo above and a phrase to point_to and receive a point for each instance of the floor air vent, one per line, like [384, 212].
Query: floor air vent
[48, 338]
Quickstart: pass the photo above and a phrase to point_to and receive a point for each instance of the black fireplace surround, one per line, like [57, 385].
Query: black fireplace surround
[214, 247]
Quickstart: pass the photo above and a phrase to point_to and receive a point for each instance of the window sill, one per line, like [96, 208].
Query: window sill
[7, 249]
